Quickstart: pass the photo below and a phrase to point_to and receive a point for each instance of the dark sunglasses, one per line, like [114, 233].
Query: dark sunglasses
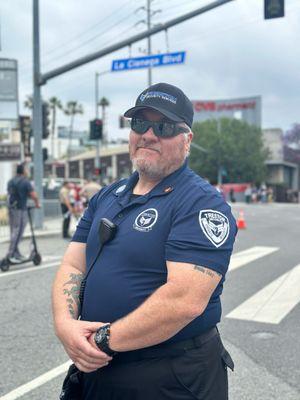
[161, 128]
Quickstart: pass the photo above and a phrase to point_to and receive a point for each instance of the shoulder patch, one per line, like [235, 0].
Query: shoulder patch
[215, 226]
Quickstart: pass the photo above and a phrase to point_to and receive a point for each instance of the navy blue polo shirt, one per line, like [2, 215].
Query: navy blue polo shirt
[182, 219]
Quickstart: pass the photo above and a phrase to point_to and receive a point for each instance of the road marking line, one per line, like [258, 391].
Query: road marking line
[272, 303]
[30, 269]
[35, 383]
[52, 258]
[246, 256]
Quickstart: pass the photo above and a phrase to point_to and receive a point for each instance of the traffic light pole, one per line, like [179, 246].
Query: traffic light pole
[37, 118]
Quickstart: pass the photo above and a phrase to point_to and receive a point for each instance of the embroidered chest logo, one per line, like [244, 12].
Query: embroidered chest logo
[215, 226]
[145, 220]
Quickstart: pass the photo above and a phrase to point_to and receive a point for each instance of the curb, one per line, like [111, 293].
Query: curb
[37, 234]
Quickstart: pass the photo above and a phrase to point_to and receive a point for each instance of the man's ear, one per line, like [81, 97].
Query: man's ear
[189, 140]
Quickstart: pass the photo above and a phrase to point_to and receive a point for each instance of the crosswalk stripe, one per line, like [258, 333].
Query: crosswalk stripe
[35, 383]
[246, 256]
[30, 269]
[272, 303]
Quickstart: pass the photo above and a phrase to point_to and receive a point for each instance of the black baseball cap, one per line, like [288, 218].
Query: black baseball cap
[169, 100]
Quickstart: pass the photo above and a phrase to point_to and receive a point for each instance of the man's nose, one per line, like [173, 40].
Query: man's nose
[149, 134]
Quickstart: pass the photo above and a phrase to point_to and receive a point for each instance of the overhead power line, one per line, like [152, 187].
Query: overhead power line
[101, 23]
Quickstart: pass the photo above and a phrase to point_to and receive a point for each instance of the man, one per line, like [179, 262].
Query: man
[67, 208]
[152, 298]
[19, 190]
[90, 188]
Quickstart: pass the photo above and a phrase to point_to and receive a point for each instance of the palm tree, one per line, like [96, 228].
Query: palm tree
[28, 103]
[54, 104]
[72, 108]
[103, 103]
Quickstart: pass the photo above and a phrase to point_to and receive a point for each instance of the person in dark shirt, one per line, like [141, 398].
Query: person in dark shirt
[19, 190]
[152, 297]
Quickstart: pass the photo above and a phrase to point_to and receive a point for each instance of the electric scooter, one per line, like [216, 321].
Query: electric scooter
[34, 255]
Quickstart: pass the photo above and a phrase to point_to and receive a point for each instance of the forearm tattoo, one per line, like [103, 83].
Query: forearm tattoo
[206, 271]
[73, 292]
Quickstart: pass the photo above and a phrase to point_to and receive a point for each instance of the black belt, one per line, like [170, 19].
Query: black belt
[166, 349]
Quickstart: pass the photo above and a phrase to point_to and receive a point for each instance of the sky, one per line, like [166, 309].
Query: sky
[231, 52]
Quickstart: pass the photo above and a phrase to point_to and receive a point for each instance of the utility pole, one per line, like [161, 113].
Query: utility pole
[37, 117]
[148, 9]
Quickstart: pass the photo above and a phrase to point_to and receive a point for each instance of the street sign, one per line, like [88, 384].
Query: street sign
[158, 60]
[10, 152]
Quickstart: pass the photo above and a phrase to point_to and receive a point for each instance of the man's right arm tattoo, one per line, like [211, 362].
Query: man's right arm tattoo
[73, 292]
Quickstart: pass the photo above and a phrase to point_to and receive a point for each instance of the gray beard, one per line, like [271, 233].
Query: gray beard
[151, 172]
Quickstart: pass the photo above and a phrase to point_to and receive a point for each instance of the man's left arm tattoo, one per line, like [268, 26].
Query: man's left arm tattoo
[73, 293]
[207, 271]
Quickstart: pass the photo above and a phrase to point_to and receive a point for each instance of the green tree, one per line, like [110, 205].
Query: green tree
[54, 104]
[72, 108]
[233, 146]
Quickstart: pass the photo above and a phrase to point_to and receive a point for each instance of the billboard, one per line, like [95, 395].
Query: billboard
[247, 109]
[8, 89]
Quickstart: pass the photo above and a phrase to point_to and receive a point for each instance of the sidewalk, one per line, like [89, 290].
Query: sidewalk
[51, 227]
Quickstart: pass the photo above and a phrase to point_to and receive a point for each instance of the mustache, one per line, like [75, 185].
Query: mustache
[145, 146]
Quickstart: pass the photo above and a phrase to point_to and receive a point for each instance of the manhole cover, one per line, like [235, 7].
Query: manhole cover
[264, 335]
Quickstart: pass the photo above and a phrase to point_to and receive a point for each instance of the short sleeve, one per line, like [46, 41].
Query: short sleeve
[85, 222]
[28, 187]
[202, 235]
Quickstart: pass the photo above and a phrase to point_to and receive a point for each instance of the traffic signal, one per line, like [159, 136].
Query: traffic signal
[96, 129]
[26, 132]
[45, 154]
[46, 120]
[274, 9]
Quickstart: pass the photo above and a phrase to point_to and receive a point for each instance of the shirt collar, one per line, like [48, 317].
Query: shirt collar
[165, 186]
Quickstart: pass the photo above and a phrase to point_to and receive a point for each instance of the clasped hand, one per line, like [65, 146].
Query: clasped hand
[77, 338]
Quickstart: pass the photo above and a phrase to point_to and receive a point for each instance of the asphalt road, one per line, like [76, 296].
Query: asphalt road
[265, 346]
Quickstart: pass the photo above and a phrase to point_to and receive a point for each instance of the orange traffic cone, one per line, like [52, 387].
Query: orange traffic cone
[241, 223]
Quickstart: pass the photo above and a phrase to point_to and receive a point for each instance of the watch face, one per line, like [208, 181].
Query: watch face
[101, 335]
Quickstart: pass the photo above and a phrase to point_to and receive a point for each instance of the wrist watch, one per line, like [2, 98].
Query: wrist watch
[102, 340]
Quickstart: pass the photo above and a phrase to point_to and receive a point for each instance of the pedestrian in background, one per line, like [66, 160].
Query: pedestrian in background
[90, 188]
[152, 298]
[247, 194]
[232, 196]
[19, 190]
[66, 208]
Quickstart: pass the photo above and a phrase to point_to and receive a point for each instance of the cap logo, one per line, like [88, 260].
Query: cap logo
[215, 226]
[158, 95]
